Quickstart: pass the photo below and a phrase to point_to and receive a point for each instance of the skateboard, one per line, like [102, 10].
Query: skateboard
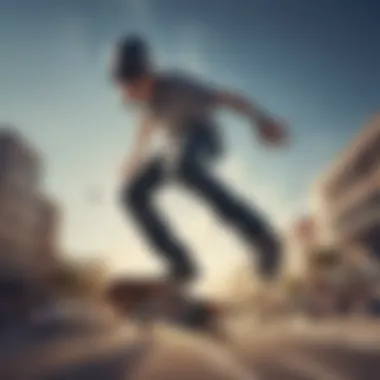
[150, 300]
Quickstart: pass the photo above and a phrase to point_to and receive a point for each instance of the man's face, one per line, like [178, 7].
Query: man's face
[136, 92]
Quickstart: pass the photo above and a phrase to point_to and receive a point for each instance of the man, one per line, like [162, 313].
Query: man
[184, 108]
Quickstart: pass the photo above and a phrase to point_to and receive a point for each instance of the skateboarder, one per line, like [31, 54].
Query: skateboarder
[183, 107]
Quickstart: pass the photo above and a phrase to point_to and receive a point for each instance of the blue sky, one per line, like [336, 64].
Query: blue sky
[315, 63]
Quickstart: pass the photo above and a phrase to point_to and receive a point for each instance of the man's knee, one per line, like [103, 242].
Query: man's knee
[224, 204]
[132, 197]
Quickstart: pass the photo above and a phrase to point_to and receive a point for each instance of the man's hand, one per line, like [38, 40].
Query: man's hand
[272, 131]
[144, 134]
[128, 170]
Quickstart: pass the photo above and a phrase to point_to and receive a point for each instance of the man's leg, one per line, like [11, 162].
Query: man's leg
[193, 172]
[137, 199]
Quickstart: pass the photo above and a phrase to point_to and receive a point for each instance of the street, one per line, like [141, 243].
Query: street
[334, 351]
[309, 351]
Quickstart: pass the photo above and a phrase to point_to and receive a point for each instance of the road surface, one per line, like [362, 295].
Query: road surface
[334, 351]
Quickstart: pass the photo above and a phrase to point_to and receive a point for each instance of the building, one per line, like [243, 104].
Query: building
[45, 246]
[347, 197]
[27, 218]
[299, 240]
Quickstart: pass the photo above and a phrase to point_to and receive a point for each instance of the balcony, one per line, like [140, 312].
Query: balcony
[360, 158]
[369, 220]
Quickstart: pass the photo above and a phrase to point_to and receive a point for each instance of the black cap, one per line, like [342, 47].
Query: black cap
[131, 59]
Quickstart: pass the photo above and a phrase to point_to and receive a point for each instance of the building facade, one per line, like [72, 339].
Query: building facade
[28, 220]
[347, 197]
[45, 247]
[300, 238]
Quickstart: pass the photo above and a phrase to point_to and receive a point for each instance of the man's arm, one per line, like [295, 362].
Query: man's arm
[140, 145]
[240, 104]
[269, 128]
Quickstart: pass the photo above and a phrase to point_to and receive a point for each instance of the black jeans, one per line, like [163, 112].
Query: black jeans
[200, 145]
